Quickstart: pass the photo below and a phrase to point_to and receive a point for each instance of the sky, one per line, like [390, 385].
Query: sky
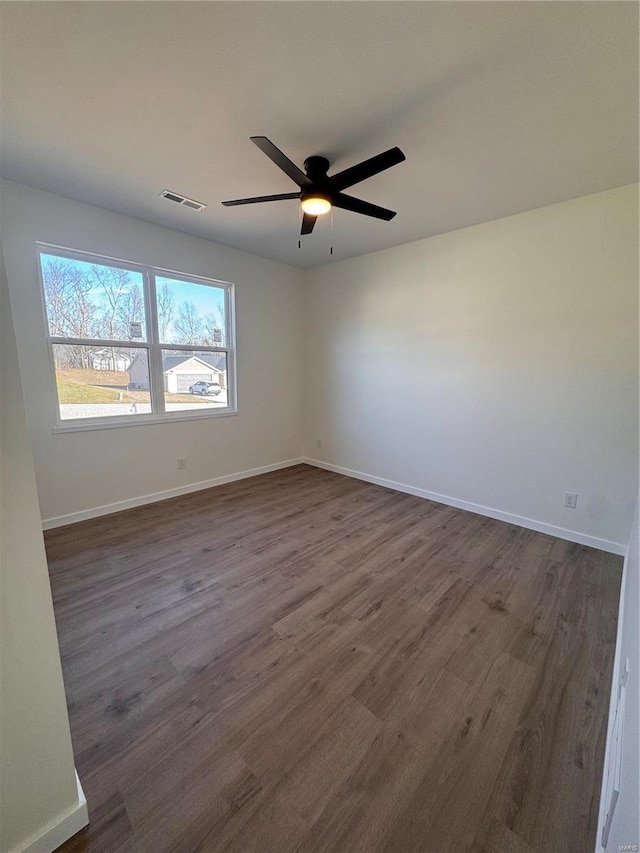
[207, 299]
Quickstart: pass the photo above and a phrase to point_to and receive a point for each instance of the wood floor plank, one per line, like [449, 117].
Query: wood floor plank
[489, 629]
[362, 815]
[305, 663]
[495, 837]
[446, 812]
[200, 781]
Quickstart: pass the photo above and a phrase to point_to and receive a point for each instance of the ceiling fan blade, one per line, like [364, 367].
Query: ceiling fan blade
[308, 221]
[260, 198]
[356, 205]
[367, 169]
[281, 160]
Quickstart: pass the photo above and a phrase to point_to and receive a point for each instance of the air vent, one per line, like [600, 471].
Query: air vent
[194, 205]
[183, 200]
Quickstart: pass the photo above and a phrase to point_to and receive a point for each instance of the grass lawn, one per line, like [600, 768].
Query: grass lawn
[80, 389]
[79, 392]
[87, 376]
[143, 397]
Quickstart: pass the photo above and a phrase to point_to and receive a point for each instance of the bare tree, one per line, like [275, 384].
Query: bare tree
[70, 311]
[130, 310]
[55, 281]
[114, 284]
[214, 329]
[165, 311]
[188, 324]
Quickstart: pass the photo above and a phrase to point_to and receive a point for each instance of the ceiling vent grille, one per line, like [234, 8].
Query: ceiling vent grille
[183, 200]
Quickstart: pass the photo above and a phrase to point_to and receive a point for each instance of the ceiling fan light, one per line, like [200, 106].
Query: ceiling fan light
[315, 205]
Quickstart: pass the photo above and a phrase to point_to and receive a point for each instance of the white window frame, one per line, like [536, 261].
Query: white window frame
[152, 344]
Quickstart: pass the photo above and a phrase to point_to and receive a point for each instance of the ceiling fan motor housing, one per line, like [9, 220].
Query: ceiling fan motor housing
[316, 168]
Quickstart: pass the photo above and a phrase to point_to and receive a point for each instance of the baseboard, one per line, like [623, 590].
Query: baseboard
[62, 829]
[118, 506]
[479, 509]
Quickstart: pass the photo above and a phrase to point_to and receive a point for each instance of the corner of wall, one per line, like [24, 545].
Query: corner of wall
[41, 802]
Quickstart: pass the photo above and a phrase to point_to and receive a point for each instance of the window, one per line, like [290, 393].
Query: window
[135, 344]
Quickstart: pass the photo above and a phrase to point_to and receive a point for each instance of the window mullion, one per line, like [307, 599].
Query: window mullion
[230, 340]
[194, 347]
[98, 342]
[155, 353]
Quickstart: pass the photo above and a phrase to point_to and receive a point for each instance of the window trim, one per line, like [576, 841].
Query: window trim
[151, 344]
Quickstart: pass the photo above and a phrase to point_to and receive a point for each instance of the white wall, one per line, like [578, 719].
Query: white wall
[625, 827]
[38, 796]
[83, 470]
[496, 365]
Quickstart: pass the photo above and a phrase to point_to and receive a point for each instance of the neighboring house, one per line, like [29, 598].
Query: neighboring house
[106, 359]
[180, 372]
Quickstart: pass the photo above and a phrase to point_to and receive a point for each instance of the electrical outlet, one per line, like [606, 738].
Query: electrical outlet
[182, 463]
[319, 443]
[571, 499]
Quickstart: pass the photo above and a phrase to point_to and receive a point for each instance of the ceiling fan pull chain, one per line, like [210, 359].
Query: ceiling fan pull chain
[331, 227]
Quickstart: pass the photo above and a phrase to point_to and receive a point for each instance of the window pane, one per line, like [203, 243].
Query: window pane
[194, 380]
[97, 382]
[87, 300]
[190, 313]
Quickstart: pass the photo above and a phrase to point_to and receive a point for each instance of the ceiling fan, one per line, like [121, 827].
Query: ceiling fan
[320, 192]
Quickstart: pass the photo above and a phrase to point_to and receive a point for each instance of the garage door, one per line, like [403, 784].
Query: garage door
[187, 379]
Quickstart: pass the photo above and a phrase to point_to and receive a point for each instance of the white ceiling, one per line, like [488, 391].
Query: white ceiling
[499, 108]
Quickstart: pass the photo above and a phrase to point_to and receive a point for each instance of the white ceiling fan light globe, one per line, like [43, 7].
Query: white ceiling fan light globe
[315, 205]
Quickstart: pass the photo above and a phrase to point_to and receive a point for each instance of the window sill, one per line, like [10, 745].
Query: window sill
[139, 420]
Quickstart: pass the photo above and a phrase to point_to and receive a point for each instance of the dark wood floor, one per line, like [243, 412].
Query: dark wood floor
[302, 662]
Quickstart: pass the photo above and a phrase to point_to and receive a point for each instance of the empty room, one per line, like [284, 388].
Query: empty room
[319, 427]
